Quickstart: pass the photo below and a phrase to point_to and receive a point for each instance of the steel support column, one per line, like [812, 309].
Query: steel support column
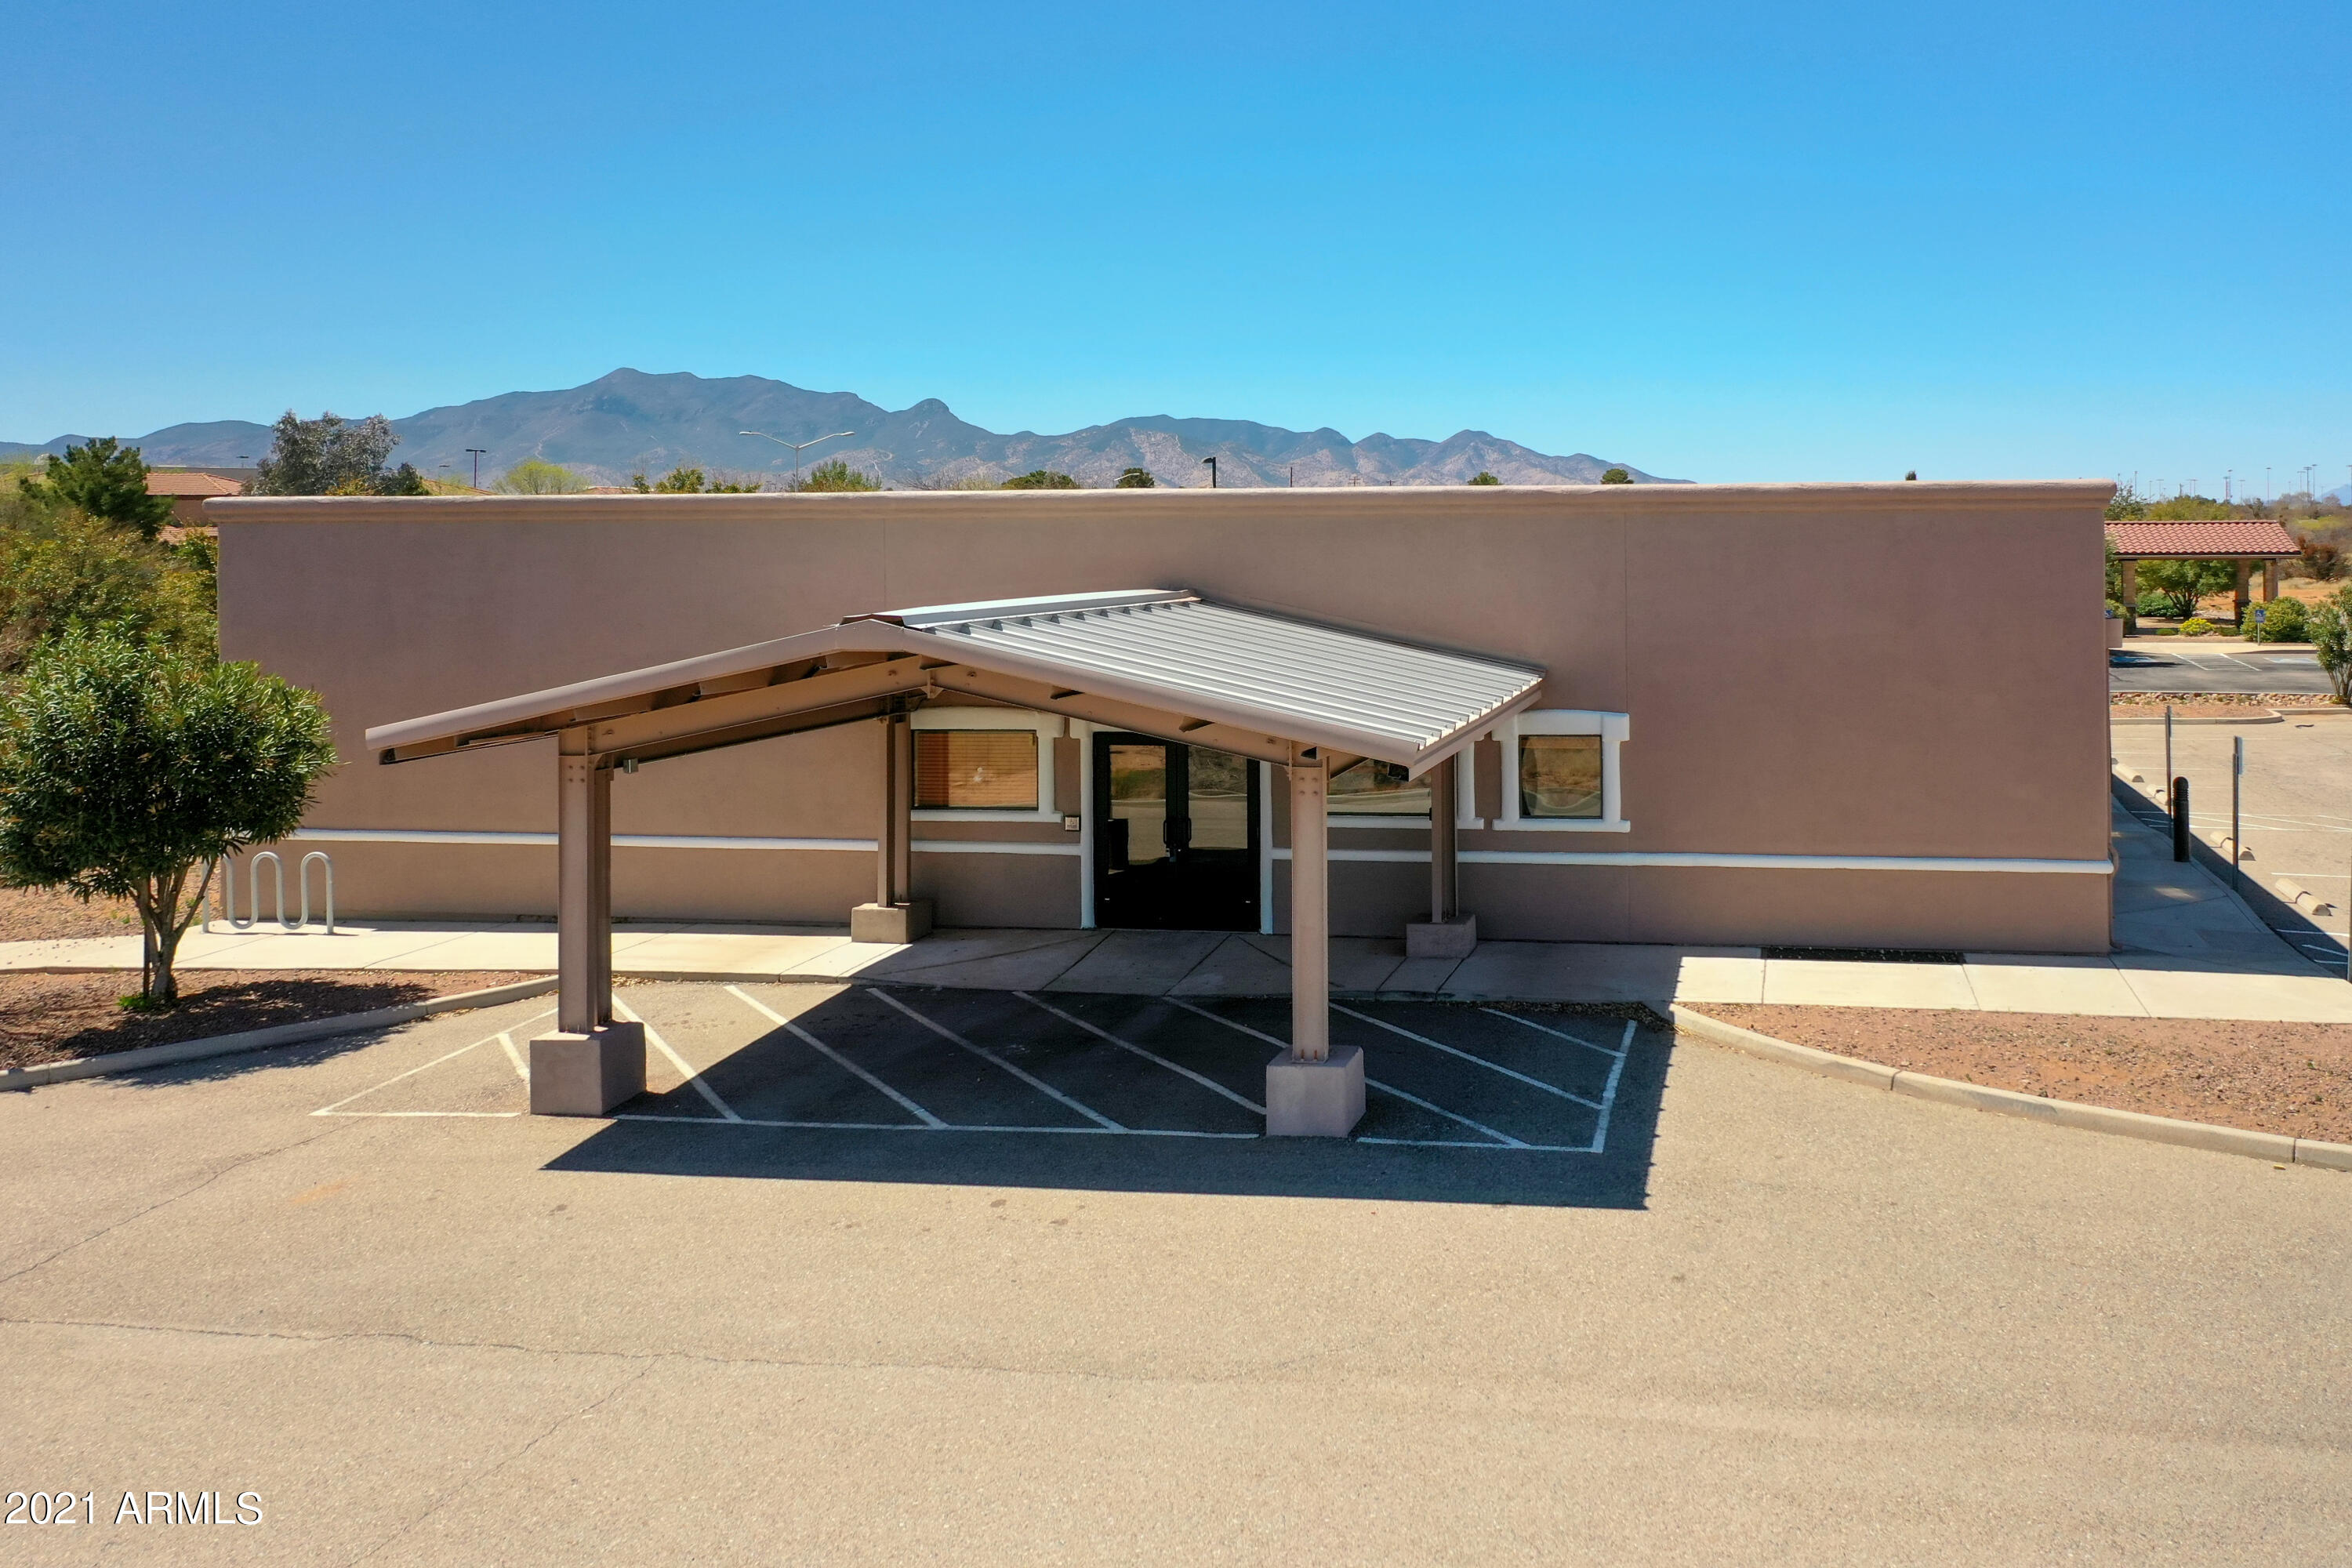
[1310, 908]
[1444, 843]
[896, 915]
[1311, 1090]
[588, 1064]
[584, 899]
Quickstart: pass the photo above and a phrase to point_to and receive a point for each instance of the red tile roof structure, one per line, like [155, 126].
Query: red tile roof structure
[2258, 540]
[164, 483]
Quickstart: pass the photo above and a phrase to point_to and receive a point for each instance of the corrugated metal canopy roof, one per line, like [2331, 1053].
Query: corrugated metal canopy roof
[1299, 678]
[1163, 660]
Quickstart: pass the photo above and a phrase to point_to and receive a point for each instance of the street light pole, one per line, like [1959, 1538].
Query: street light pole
[479, 453]
[1213, 472]
[797, 446]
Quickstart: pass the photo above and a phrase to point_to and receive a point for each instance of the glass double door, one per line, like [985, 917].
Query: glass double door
[1176, 840]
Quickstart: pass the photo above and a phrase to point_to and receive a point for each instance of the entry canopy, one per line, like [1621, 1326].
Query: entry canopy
[1160, 661]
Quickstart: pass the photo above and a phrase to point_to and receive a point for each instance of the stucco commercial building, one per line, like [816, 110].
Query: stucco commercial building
[1832, 715]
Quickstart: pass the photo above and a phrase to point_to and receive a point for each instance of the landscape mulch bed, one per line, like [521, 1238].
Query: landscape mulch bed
[38, 914]
[51, 1018]
[2289, 1078]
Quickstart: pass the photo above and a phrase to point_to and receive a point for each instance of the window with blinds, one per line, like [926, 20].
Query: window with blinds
[976, 770]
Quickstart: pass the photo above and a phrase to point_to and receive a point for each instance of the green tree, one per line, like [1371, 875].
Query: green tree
[679, 481]
[1040, 479]
[125, 767]
[107, 482]
[332, 456]
[2180, 584]
[837, 474]
[1135, 479]
[538, 477]
[68, 572]
[1617, 477]
[1484, 477]
[2331, 638]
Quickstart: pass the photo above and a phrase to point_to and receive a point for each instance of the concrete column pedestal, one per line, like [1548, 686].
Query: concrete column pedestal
[901, 923]
[587, 1074]
[1440, 938]
[1321, 1099]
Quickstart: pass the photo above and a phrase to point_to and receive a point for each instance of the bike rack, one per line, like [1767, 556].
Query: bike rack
[253, 901]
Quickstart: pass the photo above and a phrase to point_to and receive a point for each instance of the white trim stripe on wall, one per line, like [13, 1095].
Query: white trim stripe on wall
[1758, 862]
[673, 841]
[1401, 856]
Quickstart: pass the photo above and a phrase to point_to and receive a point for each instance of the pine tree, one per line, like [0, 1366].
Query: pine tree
[105, 481]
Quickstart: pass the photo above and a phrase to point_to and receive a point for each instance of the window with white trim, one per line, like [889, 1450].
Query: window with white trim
[1560, 771]
[985, 764]
[1370, 788]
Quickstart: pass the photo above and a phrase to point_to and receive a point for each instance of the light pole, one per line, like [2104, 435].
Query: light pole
[797, 446]
[1213, 472]
[479, 453]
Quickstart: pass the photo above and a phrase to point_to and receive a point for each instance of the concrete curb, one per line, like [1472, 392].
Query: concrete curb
[2274, 1147]
[258, 1039]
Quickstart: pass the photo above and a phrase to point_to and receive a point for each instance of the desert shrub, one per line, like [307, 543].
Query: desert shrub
[2196, 626]
[538, 477]
[67, 572]
[2283, 620]
[837, 474]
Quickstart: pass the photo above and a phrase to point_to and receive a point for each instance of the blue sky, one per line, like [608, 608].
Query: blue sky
[1826, 242]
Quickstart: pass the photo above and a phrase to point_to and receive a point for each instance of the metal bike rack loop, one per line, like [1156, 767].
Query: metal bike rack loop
[253, 891]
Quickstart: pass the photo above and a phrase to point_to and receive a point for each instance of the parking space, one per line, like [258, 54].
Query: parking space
[2172, 666]
[920, 1061]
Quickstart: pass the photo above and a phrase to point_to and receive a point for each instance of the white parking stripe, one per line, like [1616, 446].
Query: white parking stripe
[909, 1127]
[630, 1016]
[1609, 1090]
[1504, 1138]
[473, 1115]
[412, 1073]
[1560, 1035]
[1203, 1081]
[1032, 1079]
[1370, 1081]
[514, 1056]
[1465, 1056]
[1468, 1143]
[1228, 1023]
[835, 1058]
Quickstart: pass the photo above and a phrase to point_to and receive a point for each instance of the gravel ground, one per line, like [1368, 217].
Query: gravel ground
[38, 914]
[49, 1017]
[2291, 1078]
[2211, 704]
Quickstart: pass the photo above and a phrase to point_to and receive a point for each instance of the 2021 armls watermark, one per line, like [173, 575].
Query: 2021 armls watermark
[71, 1508]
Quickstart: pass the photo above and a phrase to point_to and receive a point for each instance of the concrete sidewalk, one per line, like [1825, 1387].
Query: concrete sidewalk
[2186, 948]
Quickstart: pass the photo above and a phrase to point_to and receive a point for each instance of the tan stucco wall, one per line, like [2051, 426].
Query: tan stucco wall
[1810, 669]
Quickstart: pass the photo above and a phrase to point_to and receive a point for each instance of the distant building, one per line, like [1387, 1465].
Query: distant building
[189, 489]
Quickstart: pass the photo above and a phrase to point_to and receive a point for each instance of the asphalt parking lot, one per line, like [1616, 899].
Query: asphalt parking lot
[774, 1314]
[2186, 667]
[996, 1084]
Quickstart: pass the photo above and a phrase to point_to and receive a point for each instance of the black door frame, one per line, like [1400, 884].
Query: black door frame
[1179, 791]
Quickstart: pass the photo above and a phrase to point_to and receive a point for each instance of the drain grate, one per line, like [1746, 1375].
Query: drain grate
[1869, 954]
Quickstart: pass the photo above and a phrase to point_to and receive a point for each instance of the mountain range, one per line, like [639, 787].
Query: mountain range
[630, 422]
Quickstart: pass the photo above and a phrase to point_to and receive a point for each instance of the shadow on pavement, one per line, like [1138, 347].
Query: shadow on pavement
[1436, 1095]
